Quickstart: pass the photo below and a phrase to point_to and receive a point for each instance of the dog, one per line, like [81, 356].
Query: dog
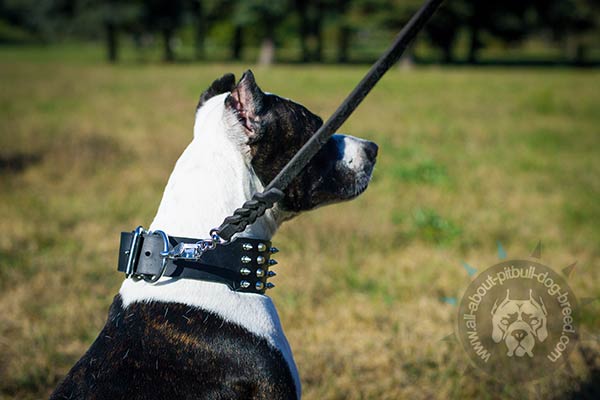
[194, 339]
[519, 323]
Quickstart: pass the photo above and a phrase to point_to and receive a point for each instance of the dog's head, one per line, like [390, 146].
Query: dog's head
[518, 323]
[269, 130]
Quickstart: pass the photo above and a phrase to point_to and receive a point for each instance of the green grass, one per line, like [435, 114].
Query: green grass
[468, 158]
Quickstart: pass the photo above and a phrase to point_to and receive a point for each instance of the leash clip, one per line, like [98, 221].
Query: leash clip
[188, 251]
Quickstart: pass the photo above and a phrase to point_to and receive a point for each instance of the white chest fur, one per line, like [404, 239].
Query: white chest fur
[211, 179]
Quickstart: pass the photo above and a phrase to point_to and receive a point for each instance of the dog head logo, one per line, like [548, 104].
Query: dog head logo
[519, 323]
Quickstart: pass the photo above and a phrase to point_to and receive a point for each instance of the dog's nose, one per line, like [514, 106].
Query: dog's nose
[519, 334]
[371, 150]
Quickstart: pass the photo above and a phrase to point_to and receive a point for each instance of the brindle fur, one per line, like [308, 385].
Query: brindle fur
[167, 351]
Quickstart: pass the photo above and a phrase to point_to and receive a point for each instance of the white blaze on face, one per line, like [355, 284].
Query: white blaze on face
[353, 151]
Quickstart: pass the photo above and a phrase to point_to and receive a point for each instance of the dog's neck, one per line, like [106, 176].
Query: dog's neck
[210, 180]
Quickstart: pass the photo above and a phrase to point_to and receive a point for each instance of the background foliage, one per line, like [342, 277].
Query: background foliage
[312, 30]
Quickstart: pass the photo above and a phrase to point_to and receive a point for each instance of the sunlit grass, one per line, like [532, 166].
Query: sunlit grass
[467, 158]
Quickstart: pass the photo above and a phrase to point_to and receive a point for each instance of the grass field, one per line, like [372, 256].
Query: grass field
[468, 158]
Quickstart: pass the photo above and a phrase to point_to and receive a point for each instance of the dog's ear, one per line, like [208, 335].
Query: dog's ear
[247, 99]
[224, 84]
[542, 331]
[539, 304]
[248, 93]
[496, 332]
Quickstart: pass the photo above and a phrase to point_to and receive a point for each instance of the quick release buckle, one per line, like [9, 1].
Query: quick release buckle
[133, 255]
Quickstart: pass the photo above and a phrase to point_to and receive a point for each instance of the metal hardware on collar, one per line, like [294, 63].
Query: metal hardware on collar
[133, 250]
[133, 255]
[151, 255]
[189, 251]
[155, 278]
[214, 234]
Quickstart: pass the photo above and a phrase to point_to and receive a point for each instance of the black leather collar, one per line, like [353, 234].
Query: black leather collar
[242, 264]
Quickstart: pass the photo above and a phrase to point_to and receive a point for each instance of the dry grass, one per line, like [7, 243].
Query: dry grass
[468, 158]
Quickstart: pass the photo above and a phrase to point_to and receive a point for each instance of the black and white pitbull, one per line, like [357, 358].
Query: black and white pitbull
[193, 339]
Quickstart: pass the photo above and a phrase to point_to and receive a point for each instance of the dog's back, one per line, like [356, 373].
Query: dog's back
[161, 350]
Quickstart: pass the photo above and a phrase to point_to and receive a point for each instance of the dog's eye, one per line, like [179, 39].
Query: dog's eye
[534, 321]
[504, 321]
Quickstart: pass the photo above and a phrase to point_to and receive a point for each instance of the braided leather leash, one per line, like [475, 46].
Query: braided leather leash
[260, 202]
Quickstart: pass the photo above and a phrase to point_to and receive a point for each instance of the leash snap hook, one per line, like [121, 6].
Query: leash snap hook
[216, 238]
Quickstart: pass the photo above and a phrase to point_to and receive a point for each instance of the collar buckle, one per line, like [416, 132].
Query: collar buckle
[134, 251]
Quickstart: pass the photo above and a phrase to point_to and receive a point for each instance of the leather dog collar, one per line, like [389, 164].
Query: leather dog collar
[242, 264]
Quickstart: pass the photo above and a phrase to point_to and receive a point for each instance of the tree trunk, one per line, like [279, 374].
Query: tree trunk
[474, 45]
[344, 32]
[237, 44]
[343, 43]
[448, 56]
[267, 48]
[200, 31]
[112, 41]
[169, 54]
[318, 31]
[301, 8]
[580, 54]
[474, 30]
[267, 52]
[407, 61]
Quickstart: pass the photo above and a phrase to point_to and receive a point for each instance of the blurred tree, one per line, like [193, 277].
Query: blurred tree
[344, 30]
[507, 20]
[43, 19]
[237, 44]
[445, 25]
[164, 16]
[301, 9]
[107, 19]
[394, 14]
[198, 11]
[205, 14]
[575, 23]
[311, 14]
[265, 16]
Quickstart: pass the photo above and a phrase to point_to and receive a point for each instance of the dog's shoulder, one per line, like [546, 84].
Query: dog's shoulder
[155, 350]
